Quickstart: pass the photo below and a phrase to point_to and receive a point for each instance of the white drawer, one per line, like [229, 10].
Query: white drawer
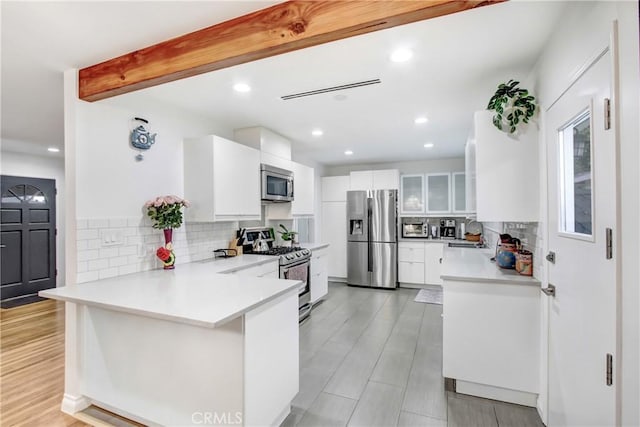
[411, 272]
[411, 252]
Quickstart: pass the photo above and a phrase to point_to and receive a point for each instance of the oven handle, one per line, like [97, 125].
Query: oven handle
[285, 270]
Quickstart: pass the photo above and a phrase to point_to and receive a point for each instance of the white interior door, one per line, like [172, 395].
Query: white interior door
[582, 206]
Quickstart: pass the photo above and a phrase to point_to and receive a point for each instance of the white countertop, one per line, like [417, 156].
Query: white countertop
[233, 264]
[192, 293]
[314, 246]
[198, 293]
[473, 265]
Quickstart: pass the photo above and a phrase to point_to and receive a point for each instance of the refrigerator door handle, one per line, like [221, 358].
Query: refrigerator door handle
[369, 230]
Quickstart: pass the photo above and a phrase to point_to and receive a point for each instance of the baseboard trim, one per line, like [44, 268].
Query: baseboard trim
[338, 279]
[497, 393]
[283, 416]
[72, 404]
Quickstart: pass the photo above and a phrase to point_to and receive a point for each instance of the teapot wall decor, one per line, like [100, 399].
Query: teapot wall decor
[141, 138]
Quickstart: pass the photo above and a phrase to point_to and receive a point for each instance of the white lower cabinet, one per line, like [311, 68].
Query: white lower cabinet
[411, 272]
[433, 263]
[419, 263]
[319, 280]
[491, 339]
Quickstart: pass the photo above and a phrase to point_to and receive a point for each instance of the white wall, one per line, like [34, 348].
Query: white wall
[422, 166]
[110, 182]
[584, 32]
[51, 167]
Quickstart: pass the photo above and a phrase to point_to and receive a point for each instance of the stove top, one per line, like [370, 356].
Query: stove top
[288, 255]
[278, 250]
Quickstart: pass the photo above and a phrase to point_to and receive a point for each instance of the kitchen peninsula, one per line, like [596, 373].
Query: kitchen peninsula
[491, 328]
[182, 346]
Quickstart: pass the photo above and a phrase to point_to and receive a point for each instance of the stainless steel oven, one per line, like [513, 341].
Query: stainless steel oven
[277, 184]
[300, 270]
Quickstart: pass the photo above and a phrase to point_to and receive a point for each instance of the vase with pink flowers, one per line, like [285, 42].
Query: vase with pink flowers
[166, 214]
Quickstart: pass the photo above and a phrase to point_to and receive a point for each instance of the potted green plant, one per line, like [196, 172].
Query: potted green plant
[513, 106]
[287, 235]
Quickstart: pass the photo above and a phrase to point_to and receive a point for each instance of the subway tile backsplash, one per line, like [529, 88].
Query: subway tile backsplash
[109, 247]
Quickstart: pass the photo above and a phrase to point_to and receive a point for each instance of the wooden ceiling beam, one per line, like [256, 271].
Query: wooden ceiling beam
[278, 29]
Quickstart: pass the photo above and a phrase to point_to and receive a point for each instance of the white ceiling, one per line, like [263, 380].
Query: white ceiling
[458, 61]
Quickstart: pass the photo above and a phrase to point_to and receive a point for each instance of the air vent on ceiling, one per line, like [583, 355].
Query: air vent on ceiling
[332, 89]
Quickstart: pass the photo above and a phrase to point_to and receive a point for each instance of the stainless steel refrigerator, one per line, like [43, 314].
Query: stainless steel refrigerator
[372, 238]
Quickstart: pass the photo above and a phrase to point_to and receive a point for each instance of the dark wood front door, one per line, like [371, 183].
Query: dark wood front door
[28, 238]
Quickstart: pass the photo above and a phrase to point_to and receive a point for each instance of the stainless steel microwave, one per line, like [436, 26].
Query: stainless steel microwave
[277, 184]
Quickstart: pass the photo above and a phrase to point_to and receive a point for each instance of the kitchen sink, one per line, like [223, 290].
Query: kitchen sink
[466, 244]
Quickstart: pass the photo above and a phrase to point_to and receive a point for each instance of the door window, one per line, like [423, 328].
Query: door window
[23, 193]
[576, 177]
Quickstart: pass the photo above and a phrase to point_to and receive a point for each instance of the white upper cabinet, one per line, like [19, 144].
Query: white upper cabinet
[412, 194]
[507, 173]
[470, 174]
[265, 140]
[214, 184]
[275, 150]
[304, 189]
[334, 188]
[361, 180]
[458, 195]
[438, 193]
[388, 179]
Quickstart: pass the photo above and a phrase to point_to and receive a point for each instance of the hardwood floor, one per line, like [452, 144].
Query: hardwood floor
[32, 366]
[374, 358]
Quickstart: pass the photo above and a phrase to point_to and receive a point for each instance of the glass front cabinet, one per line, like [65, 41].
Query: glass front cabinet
[437, 193]
[412, 194]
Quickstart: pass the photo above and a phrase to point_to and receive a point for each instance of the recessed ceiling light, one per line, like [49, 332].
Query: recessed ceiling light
[53, 149]
[428, 145]
[242, 87]
[348, 152]
[420, 120]
[317, 132]
[401, 55]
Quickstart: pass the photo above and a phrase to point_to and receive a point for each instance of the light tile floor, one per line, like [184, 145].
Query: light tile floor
[371, 357]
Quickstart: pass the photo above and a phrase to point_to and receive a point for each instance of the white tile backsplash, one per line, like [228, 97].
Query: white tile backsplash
[136, 251]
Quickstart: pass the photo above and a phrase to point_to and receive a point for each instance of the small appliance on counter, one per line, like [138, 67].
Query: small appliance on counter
[447, 228]
[417, 228]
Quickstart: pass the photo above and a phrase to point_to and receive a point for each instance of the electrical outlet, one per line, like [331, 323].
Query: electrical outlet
[111, 237]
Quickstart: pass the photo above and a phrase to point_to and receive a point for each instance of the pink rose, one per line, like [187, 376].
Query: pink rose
[148, 204]
[186, 203]
[158, 202]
